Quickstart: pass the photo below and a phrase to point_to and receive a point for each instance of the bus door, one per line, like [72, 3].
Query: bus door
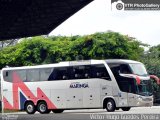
[128, 86]
[131, 93]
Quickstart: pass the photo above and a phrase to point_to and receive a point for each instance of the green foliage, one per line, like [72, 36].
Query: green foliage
[151, 59]
[42, 50]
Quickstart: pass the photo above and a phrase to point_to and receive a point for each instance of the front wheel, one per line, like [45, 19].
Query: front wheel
[126, 108]
[110, 105]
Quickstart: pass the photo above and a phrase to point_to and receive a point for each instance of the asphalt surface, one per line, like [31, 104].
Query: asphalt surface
[89, 114]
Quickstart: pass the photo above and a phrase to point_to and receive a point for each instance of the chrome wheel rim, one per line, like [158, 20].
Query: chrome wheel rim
[109, 105]
[42, 107]
[30, 108]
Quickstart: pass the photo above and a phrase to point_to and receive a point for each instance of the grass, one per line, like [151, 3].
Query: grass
[11, 111]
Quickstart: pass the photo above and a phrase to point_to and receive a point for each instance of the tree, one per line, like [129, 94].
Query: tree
[5, 43]
[151, 59]
[44, 49]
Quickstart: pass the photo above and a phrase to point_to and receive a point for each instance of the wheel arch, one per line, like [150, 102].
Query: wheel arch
[106, 99]
[27, 101]
[41, 101]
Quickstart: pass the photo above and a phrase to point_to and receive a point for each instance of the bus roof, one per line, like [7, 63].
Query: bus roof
[60, 64]
[121, 61]
[73, 63]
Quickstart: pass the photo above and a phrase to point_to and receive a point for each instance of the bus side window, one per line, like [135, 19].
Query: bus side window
[100, 71]
[21, 74]
[124, 68]
[64, 75]
[6, 73]
[33, 75]
[53, 75]
[45, 74]
[7, 76]
[78, 73]
[70, 73]
[59, 73]
[81, 72]
[87, 71]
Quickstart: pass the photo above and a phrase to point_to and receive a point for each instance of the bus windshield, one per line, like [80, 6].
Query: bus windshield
[129, 85]
[145, 88]
[138, 69]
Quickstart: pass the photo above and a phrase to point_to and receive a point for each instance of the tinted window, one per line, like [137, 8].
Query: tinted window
[7, 75]
[32, 75]
[78, 72]
[81, 72]
[120, 68]
[45, 74]
[124, 68]
[100, 71]
[21, 74]
[127, 84]
[87, 71]
[60, 73]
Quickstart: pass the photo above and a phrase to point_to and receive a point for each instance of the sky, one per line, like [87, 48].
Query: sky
[98, 17]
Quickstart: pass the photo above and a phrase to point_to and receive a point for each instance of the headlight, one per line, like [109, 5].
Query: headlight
[144, 99]
[140, 98]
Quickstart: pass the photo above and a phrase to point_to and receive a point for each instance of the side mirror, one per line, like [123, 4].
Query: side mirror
[155, 78]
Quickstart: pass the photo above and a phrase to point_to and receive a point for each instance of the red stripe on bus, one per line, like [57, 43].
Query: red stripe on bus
[17, 83]
[7, 105]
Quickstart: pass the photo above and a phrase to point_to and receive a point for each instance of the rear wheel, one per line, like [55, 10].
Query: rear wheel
[57, 110]
[126, 108]
[42, 107]
[110, 105]
[30, 108]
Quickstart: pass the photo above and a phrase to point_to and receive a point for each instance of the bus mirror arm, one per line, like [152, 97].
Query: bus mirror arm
[155, 78]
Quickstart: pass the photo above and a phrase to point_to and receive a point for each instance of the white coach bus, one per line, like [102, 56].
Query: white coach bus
[110, 84]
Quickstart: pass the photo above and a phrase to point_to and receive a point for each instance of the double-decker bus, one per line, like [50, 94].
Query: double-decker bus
[86, 84]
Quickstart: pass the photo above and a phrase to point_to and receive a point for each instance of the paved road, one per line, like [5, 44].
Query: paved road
[96, 114]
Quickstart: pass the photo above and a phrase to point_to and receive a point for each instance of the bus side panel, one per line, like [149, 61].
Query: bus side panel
[91, 98]
[74, 98]
[8, 96]
[8, 100]
[123, 101]
[58, 97]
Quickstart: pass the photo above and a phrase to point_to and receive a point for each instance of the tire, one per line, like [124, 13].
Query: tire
[30, 108]
[126, 108]
[110, 105]
[42, 107]
[57, 110]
